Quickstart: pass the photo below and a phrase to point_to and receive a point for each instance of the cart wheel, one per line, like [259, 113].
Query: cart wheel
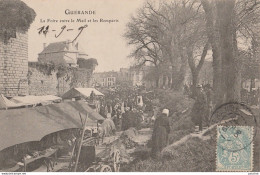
[105, 168]
[117, 160]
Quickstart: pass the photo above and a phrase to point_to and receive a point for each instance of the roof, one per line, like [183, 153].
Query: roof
[63, 46]
[32, 124]
[83, 55]
[76, 92]
[22, 101]
[60, 47]
[54, 47]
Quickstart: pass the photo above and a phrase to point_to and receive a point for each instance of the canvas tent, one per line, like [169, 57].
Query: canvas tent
[30, 100]
[31, 124]
[79, 92]
[35, 100]
[6, 104]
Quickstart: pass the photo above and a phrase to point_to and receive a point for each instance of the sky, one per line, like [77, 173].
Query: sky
[100, 40]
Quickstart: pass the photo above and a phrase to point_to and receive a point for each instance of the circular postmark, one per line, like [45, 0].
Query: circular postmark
[237, 126]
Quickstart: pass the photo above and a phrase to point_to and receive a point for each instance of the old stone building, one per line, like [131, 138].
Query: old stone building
[18, 77]
[64, 52]
[57, 70]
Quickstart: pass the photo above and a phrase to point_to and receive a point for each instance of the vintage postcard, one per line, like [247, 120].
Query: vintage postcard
[129, 86]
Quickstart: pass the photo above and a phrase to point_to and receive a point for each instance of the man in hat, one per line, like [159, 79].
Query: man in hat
[92, 96]
[160, 133]
[199, 108]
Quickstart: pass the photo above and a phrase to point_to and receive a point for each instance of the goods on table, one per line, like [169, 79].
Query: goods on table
[107, 128]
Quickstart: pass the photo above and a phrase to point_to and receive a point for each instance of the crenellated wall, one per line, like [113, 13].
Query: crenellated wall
[41, 83]
[17, 78]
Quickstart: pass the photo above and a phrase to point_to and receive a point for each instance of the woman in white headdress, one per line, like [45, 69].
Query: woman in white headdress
[160, 133]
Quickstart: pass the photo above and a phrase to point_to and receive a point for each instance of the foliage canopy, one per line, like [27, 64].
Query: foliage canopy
[15, 16]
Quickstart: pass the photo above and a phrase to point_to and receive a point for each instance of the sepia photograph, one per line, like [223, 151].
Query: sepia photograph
[129, 86]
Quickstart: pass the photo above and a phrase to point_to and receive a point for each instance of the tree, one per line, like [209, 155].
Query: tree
[90, 63]
[196, 69]
[159, 36]
[194, 39]
[152, 75]
[213, 36]
[15, 16]
[140, 34]
[231, 76]
[225, 20]
[251, 62]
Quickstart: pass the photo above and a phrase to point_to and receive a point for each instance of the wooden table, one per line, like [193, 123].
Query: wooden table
[26, 162]
[46, 155]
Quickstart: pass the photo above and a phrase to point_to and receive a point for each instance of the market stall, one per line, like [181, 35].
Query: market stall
[32, 124]
[80, 92]
[8, 104]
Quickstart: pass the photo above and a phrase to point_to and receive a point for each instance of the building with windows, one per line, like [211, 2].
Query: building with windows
[105, 79]
[129, 76]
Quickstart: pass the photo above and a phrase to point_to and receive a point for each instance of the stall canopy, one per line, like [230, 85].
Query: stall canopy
[35, 100]
[6, 104]
[78, 92]
[31, 124]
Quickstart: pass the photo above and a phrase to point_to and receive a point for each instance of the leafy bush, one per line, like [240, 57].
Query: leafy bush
[90, 63]
[15, 16]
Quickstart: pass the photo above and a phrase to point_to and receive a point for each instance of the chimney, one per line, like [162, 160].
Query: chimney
[44, 45]
[69, 44]
[77, 46]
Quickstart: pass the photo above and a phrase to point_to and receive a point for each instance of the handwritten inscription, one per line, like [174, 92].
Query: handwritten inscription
[46, 29]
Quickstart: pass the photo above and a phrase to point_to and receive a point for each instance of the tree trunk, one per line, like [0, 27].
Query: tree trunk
[238, 69]
[179, 79]
[157, 82]
[164, 80]
[195, 76]
[217, 74]
[228, 45]
[213, 36]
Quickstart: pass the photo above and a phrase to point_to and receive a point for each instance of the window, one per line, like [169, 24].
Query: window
[111, 81]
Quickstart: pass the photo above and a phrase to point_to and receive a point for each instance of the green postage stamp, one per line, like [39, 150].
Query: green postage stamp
[234, 148]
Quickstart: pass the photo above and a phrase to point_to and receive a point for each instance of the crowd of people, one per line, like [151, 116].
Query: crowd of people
[131, 108]
[203, 106]
[126, 109]
[251, 97]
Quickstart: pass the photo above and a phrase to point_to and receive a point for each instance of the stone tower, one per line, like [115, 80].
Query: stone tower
[14, 66]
